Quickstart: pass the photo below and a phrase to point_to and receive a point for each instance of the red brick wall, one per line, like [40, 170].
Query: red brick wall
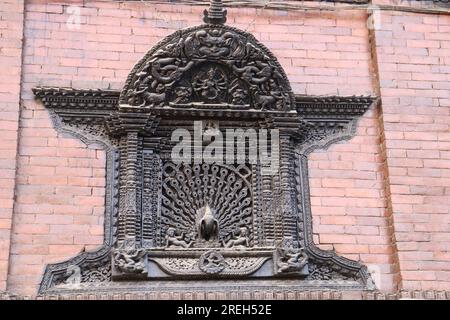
[59, 191]
[414, 69]
[11, 31]
[349, 203]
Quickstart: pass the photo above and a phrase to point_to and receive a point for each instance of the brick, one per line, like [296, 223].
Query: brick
[336, 220]
[58, 238]
[48, 180]
[338, 183]
[53, 219]
[32, 229]
[72, 209]
[68, 229]
[352, 248]
[64, 250]
[337, 238]
[88, 239]
[89, 201]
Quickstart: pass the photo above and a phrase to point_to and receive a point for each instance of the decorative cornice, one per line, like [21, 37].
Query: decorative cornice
[69, 98]
[346, 1]
[307, 106]
[332, 107]
[260, 295]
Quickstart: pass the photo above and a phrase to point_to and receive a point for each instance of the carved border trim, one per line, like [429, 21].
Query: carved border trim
[278, 294]
[327, 107]
[111, 201]
[84, 99]
[353, 108]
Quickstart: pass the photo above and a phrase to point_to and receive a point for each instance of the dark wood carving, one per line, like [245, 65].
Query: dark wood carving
[166, 220]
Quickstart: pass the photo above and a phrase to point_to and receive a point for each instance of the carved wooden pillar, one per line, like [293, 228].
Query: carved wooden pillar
[267, 205]
[151, 186]
[128, 257]
[288, 201]
[131, 127]
[129, 226]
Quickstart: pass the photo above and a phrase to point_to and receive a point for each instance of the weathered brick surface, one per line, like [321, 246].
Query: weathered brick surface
[395, 170]
[11, 31]
[413, 55]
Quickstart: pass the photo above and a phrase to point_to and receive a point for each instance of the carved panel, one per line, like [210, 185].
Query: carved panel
[212, 66]
[151, 186]
[188, 189]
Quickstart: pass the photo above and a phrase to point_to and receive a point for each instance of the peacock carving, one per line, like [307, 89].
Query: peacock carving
[208, 226]
[208, 203]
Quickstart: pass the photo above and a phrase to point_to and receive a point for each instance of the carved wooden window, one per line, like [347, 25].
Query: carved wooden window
[167, 220]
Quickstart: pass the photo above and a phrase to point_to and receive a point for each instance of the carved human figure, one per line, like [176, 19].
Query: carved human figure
[210, 84]
[240, 240]
[279, 95]
[128, 258]
[275, 98]
[239, 96]
[291, 259]
[172, 240]
[212, 262]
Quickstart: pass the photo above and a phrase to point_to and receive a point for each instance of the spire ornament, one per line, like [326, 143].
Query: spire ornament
[216, 14]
